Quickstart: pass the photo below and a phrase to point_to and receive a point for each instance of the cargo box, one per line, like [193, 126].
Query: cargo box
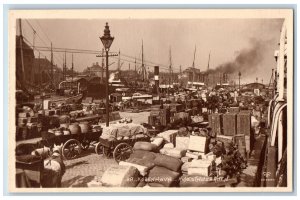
[229, 124]
[215, 122]
[233, 109]
[243, 123]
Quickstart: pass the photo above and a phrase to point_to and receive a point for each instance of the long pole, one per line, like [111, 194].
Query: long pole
[21, 49]
[52, 77]
[72, 69]
[107, 92]
[239, 82]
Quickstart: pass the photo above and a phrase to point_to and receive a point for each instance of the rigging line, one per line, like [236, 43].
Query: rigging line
[95, 52]
[42, 29]
[83, 51]
[31, 26]
[36, 32]
[144, 60]
[30, 44]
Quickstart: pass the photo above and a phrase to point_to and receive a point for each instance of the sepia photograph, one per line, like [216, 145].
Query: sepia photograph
[169, 100]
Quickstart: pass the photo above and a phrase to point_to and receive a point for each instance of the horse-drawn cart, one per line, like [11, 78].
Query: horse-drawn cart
[118, 142]
[73, 144]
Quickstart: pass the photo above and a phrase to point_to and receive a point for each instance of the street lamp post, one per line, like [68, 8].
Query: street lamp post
[107, 40]
[240, 82]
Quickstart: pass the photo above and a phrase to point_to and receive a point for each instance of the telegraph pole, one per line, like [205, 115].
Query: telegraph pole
[65, 65]
[102, 70]
[143, 66]
[52, 77]
[72, 69]
[119, 62]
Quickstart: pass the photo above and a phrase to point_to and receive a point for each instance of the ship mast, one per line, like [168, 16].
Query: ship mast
[194, 66]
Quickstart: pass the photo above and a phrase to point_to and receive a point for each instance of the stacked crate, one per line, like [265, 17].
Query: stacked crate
[215, 122]
[244, 128]
[233, 109]
[229, 124]
[164, 115]
[154, 115]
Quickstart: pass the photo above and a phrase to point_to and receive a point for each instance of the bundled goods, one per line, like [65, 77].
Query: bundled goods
[169, 135]
[146, 146]
[122, 130]
[158, 141]
[197, 119]
[168, 162]
[120, 176]
[173, 152]
[182, 142]
[185, 167]
[143, 170]
[162, 177]
[168, 146]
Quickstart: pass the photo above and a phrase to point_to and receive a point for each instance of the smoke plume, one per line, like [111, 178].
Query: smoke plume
[246, 61]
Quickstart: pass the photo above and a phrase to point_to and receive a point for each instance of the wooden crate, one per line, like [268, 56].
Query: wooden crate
[229, 124]
[233, 109]
[164, 115]
[243, 123]
[215, 122]
[152, 120]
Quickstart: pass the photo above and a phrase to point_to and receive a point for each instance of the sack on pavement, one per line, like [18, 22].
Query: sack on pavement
[168, 162]
[120, 176]
[163, 176]
[146, 146]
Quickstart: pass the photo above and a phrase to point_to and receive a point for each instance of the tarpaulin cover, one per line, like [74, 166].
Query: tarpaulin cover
[123, 130]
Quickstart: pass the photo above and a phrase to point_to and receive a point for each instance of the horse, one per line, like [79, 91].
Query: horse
[54, 167]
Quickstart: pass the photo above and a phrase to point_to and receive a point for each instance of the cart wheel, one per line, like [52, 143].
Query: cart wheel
[71, 149]
[107, 152]
[122, 152]
[85, 144]
[99, 149]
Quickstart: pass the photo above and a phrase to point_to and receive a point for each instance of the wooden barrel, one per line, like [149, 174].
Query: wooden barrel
[65, 125]
[63, 119]
[85, 128]
[58, 132]
[75, 129]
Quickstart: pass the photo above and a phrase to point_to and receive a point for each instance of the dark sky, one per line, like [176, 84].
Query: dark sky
[224, 38]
